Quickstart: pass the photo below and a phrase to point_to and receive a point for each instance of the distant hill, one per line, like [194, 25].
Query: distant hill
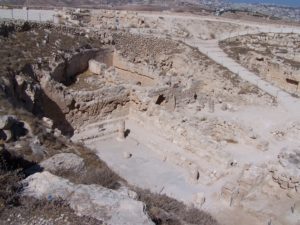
[77, 3]
[189, 5]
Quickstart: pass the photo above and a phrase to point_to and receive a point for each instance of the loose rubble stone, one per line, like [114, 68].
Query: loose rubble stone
[6, 122]
[112, 207]
[63, 162]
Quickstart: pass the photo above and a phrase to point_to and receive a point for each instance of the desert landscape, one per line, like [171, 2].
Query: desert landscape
[146, 117]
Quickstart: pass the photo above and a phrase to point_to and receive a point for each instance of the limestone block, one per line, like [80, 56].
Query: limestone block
[283, 184]
[194, 174]
[211, 106]
[295, 179]
[198, 108]
[224, 107]
[96, 67]
[128, 193]
[228, 191]
[48, 122]
[121, 130]
[292, 185]
[251, 176]
[57, 132]
[200, 198]
[64, 162]
[263, 145]
[110, 206]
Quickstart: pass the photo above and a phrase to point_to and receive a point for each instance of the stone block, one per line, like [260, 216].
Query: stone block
[96, 67]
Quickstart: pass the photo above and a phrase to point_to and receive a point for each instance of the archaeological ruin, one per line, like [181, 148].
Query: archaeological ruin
[150, 118]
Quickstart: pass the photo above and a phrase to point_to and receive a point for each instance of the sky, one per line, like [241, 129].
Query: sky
[281, 2]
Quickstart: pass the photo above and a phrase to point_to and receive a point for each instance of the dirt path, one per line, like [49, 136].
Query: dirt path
[212, 50]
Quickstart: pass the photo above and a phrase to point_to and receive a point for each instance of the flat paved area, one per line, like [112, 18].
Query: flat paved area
[145, 169]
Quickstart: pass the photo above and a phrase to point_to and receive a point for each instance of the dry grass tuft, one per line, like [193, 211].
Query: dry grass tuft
[164, 210]
[9, 182]
[33, 211]
[96, 171]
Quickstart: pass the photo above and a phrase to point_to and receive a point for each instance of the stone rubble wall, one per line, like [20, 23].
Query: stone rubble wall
[70, 67]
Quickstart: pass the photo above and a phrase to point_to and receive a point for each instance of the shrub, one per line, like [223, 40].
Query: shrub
[96, 171]
[164, 210]
[10, 186]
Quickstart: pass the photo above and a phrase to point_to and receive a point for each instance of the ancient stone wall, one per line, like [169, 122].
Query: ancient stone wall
[131, 71]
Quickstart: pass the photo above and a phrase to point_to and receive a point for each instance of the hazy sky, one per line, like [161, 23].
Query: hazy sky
[281, 2]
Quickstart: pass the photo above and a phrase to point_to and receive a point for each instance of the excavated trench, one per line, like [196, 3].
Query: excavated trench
[83, 85]
[39, 84]
[54, 94]
[76, 81]
[80, 104]
[82, 100]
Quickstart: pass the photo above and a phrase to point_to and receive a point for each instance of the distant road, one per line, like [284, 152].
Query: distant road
[263, 24]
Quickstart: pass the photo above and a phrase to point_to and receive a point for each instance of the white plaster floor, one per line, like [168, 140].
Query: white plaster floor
[145, 168]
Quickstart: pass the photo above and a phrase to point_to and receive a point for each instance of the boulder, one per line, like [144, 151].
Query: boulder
[11, 128]
[8, 135]
[48, 122]
[6, 122]
[224, 107]
[263, 145]
[36, 148]
[125, 191]
[63, 162]
[110, 206]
